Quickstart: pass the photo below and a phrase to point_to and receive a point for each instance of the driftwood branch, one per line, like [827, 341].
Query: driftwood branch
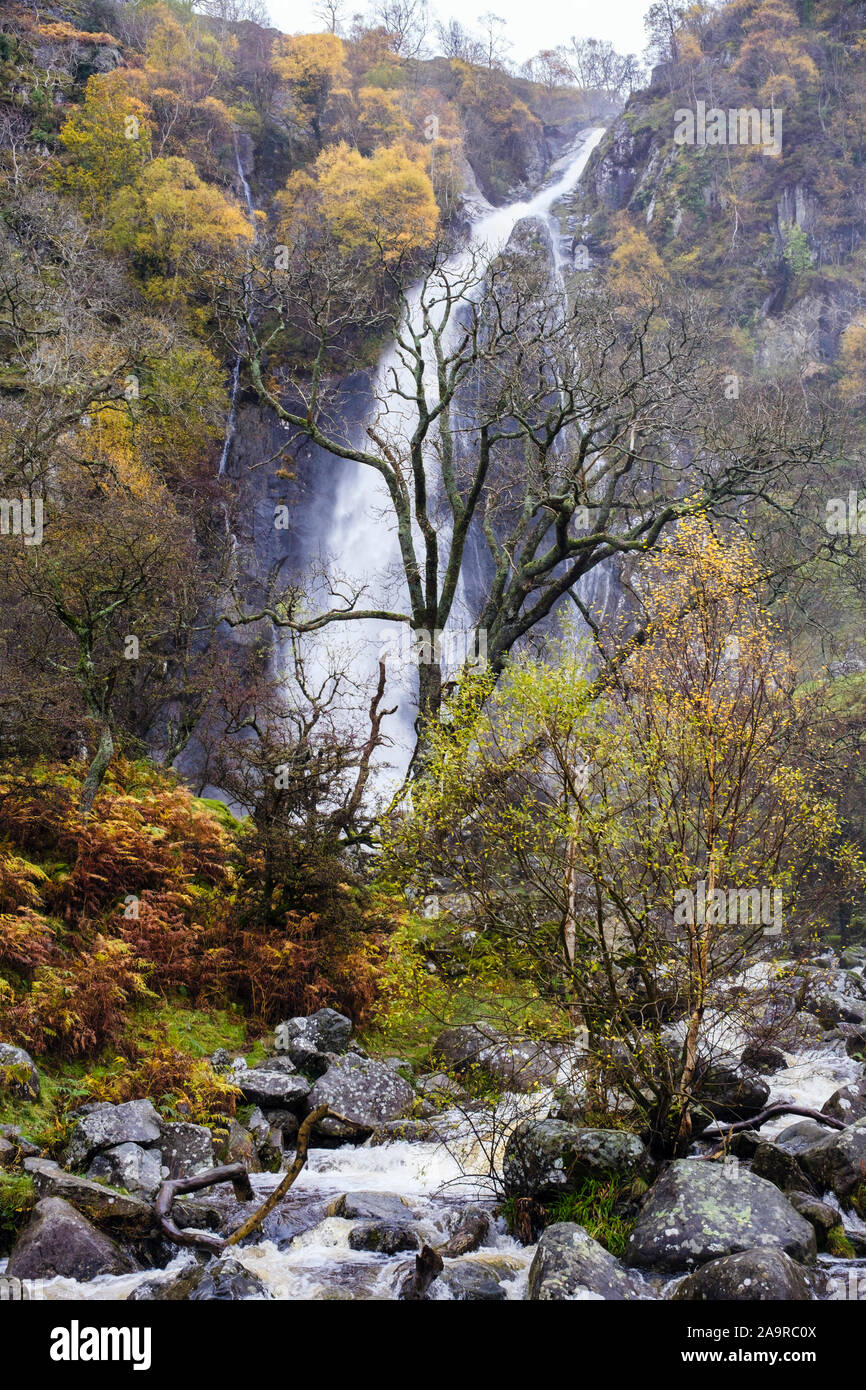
[772, 1111]
[428, 1264]
[235, 1173]
[253, 1222]
[469, 1235]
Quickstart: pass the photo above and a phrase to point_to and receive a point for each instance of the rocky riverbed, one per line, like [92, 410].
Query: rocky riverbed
[403, 1163]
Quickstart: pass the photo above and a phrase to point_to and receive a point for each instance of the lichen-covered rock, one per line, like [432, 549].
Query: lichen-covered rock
[570, 1265]
[778, 1166]
[848, 1103]
[275, 1090]
[751, 1276]
[370, 1206]
[115, 1211]
[699, 1211]
[129, 1165]
[838, 1164]
[326, 1030]
[362, 1093]
[545, 1158]
[59, 1240]
[826, 1220]
[385, 1237]
[18, 1075]
[133, 1122]
[515, 1064]
[187, 1149]
[239, 1146]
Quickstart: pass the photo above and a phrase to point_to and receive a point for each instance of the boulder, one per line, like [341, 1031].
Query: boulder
[751, 1276]
[239, 1146]
[384, 1237]
[838, 1164]
[729, 1093]
[187, 1149]
[362, 1093]
[327, 1030]
[848, 1103]
[226, 1280]
[105, 1126]
[515, 1064]
[285, 1122]
[569, 1265]
[371, 1206]
[763, 1058]
[115, 1211]
[545, 1158]
[18, 1075]
[409, 1131]
[801, 1136]
[275, 1090]
[699, 1211]
[130, 1166]
[58, 1240]
[826, 1220]
[469, 1281]
[306, 1057]
[778, 1166]
[195, 1213]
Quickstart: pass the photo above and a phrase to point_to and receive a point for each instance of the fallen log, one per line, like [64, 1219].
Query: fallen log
[235, 1173]
[771, 1113]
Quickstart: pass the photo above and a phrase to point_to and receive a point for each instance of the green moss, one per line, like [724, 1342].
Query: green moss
[17, 1199]
[839, 1245]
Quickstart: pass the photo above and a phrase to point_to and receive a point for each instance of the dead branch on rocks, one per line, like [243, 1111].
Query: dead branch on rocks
[771, 1113]
[428, 1264]
[235, 1173]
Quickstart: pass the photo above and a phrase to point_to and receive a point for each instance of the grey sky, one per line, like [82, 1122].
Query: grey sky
[532, 24]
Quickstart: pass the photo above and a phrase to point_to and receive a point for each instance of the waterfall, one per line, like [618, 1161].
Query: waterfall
[361, 538]
[236, 371]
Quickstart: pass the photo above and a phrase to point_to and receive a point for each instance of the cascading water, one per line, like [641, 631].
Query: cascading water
[236, 371]
[361, 540]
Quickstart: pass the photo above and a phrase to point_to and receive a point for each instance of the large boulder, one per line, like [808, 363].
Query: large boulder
[545, 1158]
[698, 1211]
[751, 1276]
[383, 1237]
[115, 1211]
[833, 996]
[848, 1103]
[362, 1093]
[58, 1240]
[186, 1148]
[129, 1165]
[569, 1265]
[778, 1166]
[515, 1064]
[371, 1206]
[326, 1030]
[275, 1090]
[18, 1075]
[826, 1220]
[805, 1134]
[105, 1126]
[838, 1164]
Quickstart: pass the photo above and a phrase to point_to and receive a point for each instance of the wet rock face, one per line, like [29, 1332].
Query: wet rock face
[383, 1207]
[186, 1149]
[698, 1211]
[569, 1264]
[362, 1093]
[545, 1158]
[748, 1277]
[383, 1237]
[825, 1219]
[134, 1122]
[60, 1241]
